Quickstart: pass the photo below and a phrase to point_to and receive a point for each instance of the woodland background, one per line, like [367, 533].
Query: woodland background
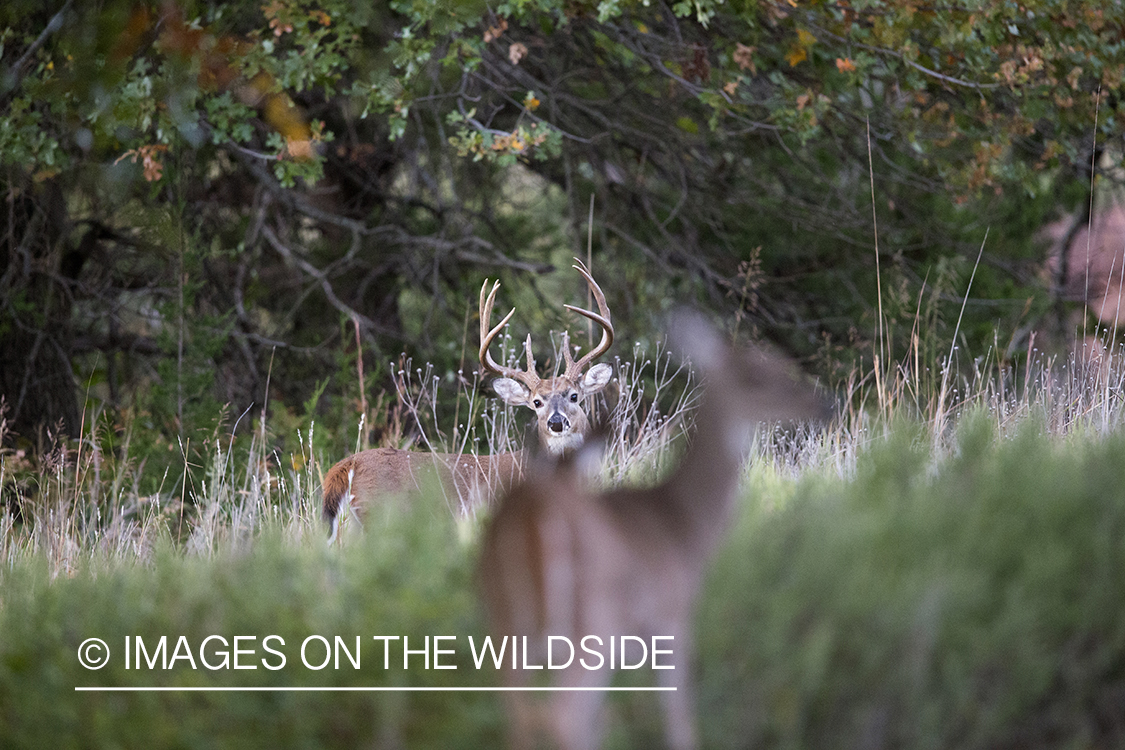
[223, 223]
[212, 204]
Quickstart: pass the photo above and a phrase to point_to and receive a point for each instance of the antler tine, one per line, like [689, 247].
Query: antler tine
[528, 378]
[486, 335]
[530, 357]
[568, 358]
[602, 320]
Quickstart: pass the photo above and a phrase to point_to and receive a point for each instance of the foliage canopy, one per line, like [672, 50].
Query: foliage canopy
[227, 183]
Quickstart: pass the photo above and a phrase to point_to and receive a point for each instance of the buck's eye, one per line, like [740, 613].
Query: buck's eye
[537, 403]
[574, 397]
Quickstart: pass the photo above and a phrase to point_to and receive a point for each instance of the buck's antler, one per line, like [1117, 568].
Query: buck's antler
[528, 377]
[573, 369]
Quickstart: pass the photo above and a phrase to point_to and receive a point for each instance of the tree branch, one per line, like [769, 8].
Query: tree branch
[53, 25]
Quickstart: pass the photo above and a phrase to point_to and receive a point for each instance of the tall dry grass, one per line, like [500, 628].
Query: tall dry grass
[80, 503]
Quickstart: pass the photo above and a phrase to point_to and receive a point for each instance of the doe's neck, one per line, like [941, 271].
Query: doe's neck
[703, 487]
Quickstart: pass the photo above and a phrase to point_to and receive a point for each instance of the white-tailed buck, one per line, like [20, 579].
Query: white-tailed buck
[562, 560]
[473, 479]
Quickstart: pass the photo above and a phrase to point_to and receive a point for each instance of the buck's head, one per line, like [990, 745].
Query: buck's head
[557, 402]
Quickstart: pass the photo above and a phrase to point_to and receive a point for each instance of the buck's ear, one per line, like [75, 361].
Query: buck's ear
[512, 392]
[596, 378]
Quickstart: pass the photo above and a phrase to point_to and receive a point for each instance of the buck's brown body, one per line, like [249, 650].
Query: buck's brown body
[471, 480]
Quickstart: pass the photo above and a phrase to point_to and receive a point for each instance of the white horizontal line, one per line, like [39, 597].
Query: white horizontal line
[267, 689]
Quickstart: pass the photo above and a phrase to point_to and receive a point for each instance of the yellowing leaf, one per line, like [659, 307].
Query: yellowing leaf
[804, 38]
[744, 57]
[796, 55]
[153, 167]
[280, 27]
[494, 32]
[845, 64]
[688, 125]
[279, 111]
[300, 149]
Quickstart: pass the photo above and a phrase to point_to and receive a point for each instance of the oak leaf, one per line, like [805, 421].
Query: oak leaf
[744, 57]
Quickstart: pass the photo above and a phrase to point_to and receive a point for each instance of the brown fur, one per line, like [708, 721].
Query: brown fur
[628, 561]
[468, 480]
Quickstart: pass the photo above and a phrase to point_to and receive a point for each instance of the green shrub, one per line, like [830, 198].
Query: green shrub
[970, 602]
[406, 576]
[967, 601]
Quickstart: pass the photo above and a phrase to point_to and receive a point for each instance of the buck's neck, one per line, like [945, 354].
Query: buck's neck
[703, 488]
[560, 445]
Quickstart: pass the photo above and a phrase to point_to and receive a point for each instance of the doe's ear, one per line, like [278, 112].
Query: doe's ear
[695, 338]
[512, 392]
[596, 378]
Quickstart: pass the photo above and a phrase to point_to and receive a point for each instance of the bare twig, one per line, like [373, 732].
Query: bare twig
[53, 25]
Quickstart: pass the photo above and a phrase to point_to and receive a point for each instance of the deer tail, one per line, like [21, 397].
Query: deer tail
[337, 491]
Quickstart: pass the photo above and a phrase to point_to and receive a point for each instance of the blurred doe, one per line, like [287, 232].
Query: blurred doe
[557, 402]
[560, 559]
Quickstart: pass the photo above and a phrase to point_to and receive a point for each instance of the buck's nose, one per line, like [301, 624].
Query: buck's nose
[557, 422]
